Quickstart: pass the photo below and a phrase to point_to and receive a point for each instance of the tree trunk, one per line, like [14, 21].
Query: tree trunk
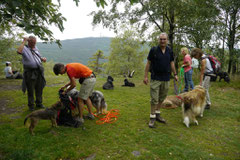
[231, 40]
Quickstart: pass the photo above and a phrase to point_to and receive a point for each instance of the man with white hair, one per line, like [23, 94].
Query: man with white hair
[33, 71]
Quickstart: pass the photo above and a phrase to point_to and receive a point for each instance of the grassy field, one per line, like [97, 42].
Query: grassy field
[216, 137]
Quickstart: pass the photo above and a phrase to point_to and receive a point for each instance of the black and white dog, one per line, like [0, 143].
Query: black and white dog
[109, 83]
[97, 100]
[128, 84]
[223, 75]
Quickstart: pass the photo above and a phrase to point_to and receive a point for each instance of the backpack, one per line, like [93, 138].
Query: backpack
[64, 116]
[216, 65]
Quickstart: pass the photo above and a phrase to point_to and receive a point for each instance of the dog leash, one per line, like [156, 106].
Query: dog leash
[180, 98]
[109, 117]
[175, 87]
[181, 77]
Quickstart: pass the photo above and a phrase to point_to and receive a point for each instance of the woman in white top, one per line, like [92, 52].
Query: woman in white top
[206, 71]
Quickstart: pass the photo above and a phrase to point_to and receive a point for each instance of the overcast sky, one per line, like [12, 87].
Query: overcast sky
[78, 24]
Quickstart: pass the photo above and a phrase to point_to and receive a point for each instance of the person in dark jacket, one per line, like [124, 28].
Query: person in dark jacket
[160, 62]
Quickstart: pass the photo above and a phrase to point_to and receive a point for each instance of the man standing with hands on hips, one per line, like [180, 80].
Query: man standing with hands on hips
[160, 62]
[33, 76]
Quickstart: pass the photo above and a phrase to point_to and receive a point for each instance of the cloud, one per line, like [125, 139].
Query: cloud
[78, 24]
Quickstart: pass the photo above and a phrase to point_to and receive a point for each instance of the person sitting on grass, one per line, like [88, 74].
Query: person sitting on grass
[87, 80]
[10, 74]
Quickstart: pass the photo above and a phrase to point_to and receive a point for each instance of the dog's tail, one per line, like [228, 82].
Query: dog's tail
[25, 120]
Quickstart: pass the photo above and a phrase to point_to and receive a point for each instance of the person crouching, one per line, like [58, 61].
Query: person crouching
[87, 80]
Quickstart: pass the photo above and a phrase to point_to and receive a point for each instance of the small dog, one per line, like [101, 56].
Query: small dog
[224, 75]
[98, 102]
[128, 84]
[109, 83]
[47, 114]
[96, 98]
[193, 105]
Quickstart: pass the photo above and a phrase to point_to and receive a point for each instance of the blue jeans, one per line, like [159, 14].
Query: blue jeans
[188, 80]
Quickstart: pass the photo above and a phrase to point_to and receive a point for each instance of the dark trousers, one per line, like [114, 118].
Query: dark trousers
[34, 83]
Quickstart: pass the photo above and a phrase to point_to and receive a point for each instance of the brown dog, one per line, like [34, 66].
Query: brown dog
[47, 114]
[193, 105]
[173, 101]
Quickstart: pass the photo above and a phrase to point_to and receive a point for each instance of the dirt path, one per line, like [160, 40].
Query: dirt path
[9, 85]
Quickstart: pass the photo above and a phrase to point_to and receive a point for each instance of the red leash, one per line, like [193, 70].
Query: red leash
[179, 98]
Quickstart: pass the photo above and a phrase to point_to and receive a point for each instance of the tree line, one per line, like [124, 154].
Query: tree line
[212, 25]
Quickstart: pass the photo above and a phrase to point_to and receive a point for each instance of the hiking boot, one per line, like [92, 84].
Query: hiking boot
[207, 106]
[160, 119]
[40, 106]
[80, 120]
[151, 123]
[90, 116]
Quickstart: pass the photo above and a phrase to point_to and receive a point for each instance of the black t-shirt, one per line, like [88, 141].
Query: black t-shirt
[160, 63]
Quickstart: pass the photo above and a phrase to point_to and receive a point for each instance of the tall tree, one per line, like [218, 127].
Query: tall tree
[34, 16]
[8, 51]
[190, 19]
[126, 54]
[95, 63]
[231, 15]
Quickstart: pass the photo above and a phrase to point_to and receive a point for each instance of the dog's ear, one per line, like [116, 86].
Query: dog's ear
[58, 105]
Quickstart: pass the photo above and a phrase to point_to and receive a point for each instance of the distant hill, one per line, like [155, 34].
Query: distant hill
[75, 50]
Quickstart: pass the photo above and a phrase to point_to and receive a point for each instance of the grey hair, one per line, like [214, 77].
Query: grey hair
[32, 37]
[164, 33]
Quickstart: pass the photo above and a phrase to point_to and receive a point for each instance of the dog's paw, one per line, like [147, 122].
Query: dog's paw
[196, 122]
[186, 121]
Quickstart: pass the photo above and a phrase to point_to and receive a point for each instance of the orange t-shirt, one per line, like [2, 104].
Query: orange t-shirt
[78, 70]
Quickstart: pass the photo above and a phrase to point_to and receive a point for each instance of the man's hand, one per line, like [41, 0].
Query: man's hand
[145, 81]
[176, 77]
[43, 59]
[25, 39]
[62, 88]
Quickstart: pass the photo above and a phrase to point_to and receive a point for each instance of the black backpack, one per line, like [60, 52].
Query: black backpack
[64, 116]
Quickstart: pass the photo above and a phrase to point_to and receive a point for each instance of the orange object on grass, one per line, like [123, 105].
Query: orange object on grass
[110, 117]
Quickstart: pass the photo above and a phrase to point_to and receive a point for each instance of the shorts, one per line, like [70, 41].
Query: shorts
[158, 91]
[86, 88]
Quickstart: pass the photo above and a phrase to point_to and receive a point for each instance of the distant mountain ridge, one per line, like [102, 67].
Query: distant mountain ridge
[75, 50]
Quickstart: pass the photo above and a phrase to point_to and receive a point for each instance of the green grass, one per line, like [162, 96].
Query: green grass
[216, 137]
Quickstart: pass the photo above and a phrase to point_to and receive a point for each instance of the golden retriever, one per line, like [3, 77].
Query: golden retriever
[193, 105]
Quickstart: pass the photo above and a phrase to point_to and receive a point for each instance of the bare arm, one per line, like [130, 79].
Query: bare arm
[147, 67]
[203, 66]
[72, 84]
[20, 48]
[186, 64]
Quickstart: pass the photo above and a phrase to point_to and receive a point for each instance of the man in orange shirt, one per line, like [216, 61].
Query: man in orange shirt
[78, 71]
